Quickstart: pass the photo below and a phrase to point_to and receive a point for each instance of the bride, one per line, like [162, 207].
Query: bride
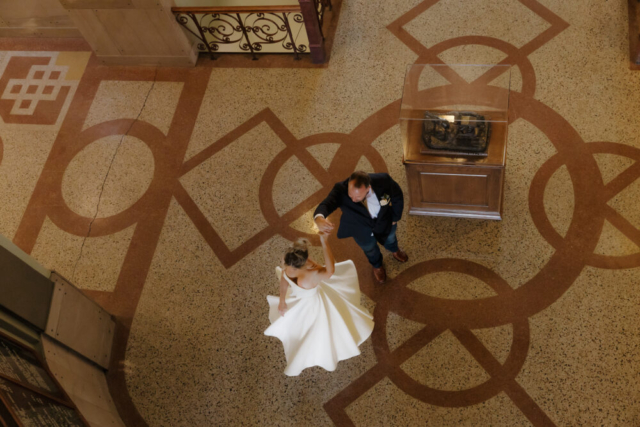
[318, 316]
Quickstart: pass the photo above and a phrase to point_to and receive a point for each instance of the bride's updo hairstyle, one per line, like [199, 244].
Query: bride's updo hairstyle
[296, 256]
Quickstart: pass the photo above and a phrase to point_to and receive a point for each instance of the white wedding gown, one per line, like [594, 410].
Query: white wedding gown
[323, 325]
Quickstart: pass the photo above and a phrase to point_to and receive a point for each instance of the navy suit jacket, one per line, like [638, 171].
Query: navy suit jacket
[356, 221]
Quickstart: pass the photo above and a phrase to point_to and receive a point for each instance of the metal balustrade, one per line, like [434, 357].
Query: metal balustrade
[251, 29]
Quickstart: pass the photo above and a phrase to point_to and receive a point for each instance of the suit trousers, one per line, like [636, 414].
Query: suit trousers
[372, 251]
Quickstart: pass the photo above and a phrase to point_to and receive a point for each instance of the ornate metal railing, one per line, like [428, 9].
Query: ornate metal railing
[248, 27]
[321, 6]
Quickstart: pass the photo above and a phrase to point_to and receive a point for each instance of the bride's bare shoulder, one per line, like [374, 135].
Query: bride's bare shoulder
[309, 279]
[312, 265]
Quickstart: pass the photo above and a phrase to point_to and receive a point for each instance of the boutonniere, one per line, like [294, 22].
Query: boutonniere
[384, 200]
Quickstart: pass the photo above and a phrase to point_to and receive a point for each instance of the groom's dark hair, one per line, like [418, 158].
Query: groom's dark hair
[360, 179]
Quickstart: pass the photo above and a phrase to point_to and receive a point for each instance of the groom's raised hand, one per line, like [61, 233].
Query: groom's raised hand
[324, 225]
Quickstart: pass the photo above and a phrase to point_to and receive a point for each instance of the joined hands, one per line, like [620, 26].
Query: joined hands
[324, 225]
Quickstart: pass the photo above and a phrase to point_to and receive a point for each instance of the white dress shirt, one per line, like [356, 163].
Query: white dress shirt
[373, 204]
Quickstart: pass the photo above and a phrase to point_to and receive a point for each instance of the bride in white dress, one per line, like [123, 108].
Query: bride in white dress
[318, 316]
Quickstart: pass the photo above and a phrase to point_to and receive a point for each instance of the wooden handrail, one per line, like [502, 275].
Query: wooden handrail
[238, 9]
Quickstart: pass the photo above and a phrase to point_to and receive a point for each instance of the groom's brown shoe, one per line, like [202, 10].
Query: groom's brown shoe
[380, 275]
[401, 256]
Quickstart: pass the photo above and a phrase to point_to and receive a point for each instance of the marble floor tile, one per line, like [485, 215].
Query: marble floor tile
[585, 341]
[226, 187]
[444, 364]
[98, 267]
[385, 404]
[501, 19]
[125, 100]
[170, 196]
[23, 153]
[58, 250]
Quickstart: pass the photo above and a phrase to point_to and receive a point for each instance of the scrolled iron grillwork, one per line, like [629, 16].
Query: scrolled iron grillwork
[267, 29]
[297, 18]
[250, 33]
[223, 28]
[183, 19]
[321, 6]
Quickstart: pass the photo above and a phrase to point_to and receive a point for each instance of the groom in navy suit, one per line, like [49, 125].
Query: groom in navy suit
[371, 207]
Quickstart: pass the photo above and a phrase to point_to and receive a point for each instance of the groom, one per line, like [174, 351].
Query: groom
[371, 206]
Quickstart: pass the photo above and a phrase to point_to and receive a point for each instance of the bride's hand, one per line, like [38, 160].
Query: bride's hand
[282, 308]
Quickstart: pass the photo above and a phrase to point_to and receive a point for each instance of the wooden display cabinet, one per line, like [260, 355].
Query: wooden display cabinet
[447, 183]
[468, 187]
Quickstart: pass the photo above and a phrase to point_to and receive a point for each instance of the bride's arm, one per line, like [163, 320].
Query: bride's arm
[284, 285]
[329, 263]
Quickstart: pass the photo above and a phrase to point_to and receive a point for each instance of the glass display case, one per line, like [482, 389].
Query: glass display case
[455, 116]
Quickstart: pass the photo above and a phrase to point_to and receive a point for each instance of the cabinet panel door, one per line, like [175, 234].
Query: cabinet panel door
[442, 189]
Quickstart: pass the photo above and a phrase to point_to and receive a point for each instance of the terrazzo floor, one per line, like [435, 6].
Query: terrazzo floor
[169, 195]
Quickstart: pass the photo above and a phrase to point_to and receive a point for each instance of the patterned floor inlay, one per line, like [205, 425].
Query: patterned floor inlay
[168, 195]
